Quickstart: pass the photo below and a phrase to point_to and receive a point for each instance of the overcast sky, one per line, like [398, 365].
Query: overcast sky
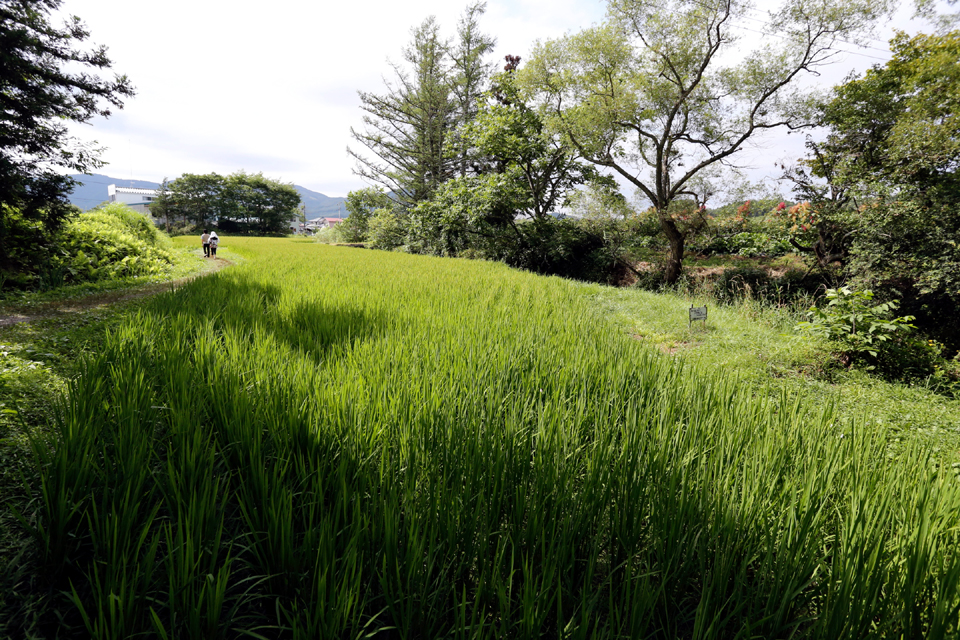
[272, 86]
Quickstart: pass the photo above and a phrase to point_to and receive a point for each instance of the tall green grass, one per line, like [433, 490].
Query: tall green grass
[333, 442]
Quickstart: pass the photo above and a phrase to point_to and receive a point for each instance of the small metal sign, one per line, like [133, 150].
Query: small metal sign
[697, 313]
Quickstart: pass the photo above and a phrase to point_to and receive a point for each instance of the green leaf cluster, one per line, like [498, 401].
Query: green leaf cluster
[47, 79]
[850, 318]
[109, 243]
[889, 210]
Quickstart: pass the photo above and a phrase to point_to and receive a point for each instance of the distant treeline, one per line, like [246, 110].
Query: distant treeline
[239, 203]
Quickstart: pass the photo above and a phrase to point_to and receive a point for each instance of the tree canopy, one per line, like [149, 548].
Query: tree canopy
[889, 199]
[239, 203]
[46, 80]
[652, 94]
[409, 139]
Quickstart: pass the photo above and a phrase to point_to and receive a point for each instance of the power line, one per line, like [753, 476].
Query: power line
[765, 23]
[782, 37]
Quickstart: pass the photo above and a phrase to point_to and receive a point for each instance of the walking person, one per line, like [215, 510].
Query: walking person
[214, 241]
[205, 241]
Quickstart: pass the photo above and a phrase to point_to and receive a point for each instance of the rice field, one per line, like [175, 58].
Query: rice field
[328, 442]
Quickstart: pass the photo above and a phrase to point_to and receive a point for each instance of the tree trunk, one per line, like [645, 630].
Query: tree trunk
[673, 266]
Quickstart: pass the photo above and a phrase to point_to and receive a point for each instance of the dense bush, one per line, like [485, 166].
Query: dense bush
[26, 246]
[872, 335]
[112, 242]
[749, 244]
[386, 230]
[560, 248]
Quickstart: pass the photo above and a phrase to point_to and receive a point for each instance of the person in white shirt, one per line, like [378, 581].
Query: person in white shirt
[205, 241]
[214, 241]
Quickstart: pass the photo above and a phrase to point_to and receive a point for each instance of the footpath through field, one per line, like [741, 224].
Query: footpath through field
[11, 314]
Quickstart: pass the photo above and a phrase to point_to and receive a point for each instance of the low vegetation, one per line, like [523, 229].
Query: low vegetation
[464, 450]
[109, 244]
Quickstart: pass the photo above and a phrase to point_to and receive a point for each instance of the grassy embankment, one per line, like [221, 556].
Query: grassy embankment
[334, 441]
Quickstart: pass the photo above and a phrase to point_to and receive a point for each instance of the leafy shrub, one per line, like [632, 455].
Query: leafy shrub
[25, 248]
[862, 328]
[385, 230]
[556, 247]
[139, 225]
[946, 373]
[749, 244]
[112, 242]
[906, 357]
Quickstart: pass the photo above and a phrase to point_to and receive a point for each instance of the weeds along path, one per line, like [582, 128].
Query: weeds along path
[97, 300]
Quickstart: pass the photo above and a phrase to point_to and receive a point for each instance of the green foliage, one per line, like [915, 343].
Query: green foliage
[910, 250]
[886, 214]
[28, 248]
[864, 329]
[749, 244]
[603, 212]
[241, 203]
[361, 206]
[558, 247]
[387, 230]
[504, 212]
[110, 243]
[46, 80]
[900, 117]
[892, 154]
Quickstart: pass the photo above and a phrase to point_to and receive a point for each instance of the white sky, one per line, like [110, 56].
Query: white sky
[272, 87]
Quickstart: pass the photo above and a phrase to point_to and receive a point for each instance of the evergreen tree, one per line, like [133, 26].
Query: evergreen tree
[472, 74]
[410, 131]
[45, 81]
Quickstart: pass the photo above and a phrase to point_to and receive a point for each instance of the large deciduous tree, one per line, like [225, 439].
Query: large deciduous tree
[255, 204]
[46, 80]
[239, 203]
[666, 88]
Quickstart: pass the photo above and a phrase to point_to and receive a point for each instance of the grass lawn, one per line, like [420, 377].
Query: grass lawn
[757, 344]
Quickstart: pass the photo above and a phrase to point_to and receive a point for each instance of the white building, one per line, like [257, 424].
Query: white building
[136, 199]
[316, 224]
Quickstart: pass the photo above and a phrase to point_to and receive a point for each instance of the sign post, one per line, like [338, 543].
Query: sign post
[697, 313]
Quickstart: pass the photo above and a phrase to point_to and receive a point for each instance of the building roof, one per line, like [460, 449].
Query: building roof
[143, 192]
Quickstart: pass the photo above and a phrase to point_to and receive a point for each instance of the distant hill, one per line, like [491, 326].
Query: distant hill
[92, 190]
[319, 205]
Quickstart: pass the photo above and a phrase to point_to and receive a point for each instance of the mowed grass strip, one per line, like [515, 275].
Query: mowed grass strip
[335, 442]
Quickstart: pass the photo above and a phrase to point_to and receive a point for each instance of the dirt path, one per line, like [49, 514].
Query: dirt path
[96, 300]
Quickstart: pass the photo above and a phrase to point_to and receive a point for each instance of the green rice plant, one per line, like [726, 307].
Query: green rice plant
[333, 442]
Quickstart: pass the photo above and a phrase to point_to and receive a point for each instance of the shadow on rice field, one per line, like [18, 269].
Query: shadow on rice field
[414, 447]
